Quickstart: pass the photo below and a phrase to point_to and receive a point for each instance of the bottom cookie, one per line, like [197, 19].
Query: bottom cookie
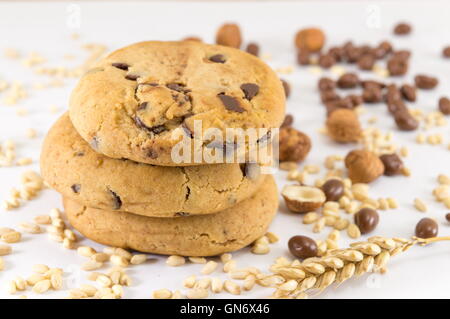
[201, 235]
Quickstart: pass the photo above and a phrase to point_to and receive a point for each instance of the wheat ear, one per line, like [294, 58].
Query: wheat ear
[298, 279]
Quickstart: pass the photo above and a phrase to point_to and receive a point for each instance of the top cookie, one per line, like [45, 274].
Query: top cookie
[142, 100]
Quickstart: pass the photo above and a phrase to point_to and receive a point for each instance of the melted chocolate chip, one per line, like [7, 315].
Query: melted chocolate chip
[76, 188]
[218, 58]
[117, 202]
[154, 129]
[250, 90]
[142, 106]
[122, 66]
[79, 154]
[132, 77]
[151, 153]
[230, 103]
[176, 87]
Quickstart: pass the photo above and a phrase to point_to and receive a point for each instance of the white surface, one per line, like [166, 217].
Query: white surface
[41, 27]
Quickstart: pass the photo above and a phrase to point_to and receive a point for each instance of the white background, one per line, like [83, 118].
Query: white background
[42, 27]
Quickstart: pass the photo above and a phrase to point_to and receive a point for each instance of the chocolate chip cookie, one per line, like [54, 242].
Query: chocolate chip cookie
[72, 168]
[140, 101]
[206, 235]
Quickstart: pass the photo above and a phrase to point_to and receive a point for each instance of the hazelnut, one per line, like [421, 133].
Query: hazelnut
[294, 145]
[310, 39]
[363, 166]
[343, 126]
[303, 199]
[229, 35]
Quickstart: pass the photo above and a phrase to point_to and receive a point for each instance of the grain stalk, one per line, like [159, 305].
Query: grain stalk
[298, 279]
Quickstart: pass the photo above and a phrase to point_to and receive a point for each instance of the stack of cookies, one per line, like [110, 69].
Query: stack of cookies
[126, 156]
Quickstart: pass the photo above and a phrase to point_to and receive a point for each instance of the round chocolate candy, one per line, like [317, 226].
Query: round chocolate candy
[367, 220]
[427, 228]
[333, 189]
[302, 247]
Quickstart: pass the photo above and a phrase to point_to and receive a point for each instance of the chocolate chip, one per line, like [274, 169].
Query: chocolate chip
[425, 82]
[122, 66]
[408, 92]
[302, 247]
[366, 62]
[397, 66]
[154, 129]
[253, 49]
[151, 153]
[427, 228]
[326, 61]
[252, 171]
[176, 87]
[405, 121]
[372, 95]
[231, 103]
[79, 153]
[333, 189]
[132, 77]
[288, 120]
[393, 164]
[76, 188]
[446, 52]
[444, 105]
[250, 90]
[402, 29]
[287, 88]
[148, 84]
[348, 81]
[218, 58]
[447, 217]
[303, 57]
[142, 106]
[366, 220]
[117, 202]
[326, 84]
